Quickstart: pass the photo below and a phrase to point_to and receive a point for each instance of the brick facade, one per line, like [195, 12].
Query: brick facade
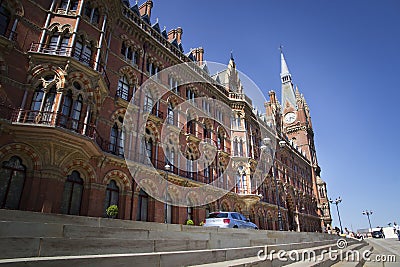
[68, 70]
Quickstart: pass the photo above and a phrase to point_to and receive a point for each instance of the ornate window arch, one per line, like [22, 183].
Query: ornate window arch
[84, 50]
[152, 67]
[117, 137]
[74, 100]
[130, 52]
[58, 40]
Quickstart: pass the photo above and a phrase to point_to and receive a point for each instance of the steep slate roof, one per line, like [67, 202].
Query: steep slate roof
[135, 9]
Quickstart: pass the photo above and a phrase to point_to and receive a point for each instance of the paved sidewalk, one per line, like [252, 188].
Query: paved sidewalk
[383, 249]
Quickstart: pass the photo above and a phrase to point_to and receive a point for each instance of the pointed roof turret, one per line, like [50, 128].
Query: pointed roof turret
[285, 70]
[232, 63]
[164, 33]
[135, 9]
[156, 26]
[288, 94]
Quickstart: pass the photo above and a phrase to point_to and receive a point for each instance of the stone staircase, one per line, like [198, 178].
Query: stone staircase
[40, 239]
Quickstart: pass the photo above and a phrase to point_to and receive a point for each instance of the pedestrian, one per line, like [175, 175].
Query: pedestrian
[383, 234]
[347, 231]
[337, 230]
[329, 229]
[396, 228]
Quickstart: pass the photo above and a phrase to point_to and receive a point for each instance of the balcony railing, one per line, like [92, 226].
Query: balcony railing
[122, 93]
[69, 51]
[53, 119]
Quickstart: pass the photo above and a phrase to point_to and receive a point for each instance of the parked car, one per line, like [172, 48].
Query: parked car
[377, 234]
[228, 220]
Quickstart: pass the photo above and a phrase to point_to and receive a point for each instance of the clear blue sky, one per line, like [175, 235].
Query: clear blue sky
[344, 56]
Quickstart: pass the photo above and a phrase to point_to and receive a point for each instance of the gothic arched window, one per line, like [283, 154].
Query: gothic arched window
[235, 148]
[37, 99]
[112, 195]
[76, 112]
[149, 148]
[83, 51]
[66, 109]
[170, 157]
[220, 140]
[72, 196]
[170, 114]
[143, 203]
[241, 148]
[48, 105]
[117, 138]
[12, 179]
[148, 102]
[123, 88]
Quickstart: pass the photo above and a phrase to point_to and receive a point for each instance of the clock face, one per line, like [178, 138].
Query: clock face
[290, 117]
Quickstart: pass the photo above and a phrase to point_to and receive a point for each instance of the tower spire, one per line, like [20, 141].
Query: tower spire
[284, 68]
[288, 94]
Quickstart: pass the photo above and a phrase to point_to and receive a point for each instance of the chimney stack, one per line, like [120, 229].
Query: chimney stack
[198, 53]
[171, 35]
[272, 97]
[145, 8]
[179, 33]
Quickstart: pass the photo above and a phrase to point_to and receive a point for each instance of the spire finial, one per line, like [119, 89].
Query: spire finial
[136, 2]
[281, 48]
[284, 67]
[156, 20]
[232, 54]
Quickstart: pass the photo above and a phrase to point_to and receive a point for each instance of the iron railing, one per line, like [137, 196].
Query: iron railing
[69, 51]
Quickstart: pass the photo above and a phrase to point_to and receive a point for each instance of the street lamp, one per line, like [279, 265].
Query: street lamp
[366, 212]
[267, 144]
[336, 202]
[167, 169]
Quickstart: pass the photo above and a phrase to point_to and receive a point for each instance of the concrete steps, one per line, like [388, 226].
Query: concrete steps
[215, 257]
[38, 239]
[338, 257]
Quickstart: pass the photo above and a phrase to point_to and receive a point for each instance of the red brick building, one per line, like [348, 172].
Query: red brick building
[68, 69]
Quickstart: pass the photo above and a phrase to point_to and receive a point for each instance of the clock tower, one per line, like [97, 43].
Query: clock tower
[297, 126]
[296, 120]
